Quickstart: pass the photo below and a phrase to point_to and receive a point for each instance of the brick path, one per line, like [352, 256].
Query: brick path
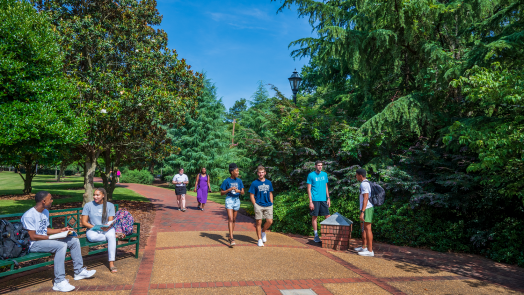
[214, 218]
[472, 274]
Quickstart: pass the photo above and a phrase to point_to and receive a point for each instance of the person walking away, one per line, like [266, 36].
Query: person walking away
[36, 222]
[318, 192]
[232, 187]
[366, 215]
[261, 194]
[180, 180]
[99, 212]
[202, 187]
[118, 176]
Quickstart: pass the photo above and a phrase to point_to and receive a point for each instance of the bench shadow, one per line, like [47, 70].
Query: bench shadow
[30, 279]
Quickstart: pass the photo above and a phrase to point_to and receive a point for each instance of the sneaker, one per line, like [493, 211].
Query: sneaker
[184, 210]
[366, 253]
[232, 242]
[63, 286]
[179, 209]
[316, 239]
[85, 274]
[202, 209]
[260, 243]
[360, 249]
[264, 239]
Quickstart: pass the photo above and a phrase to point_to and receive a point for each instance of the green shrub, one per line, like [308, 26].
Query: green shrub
[291, 213]
[137, 176]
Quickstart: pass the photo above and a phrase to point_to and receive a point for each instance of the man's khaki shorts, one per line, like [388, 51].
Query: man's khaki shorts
[263, 212]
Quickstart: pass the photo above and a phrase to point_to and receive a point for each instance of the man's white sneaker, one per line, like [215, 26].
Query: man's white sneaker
[260, 243]
[366, 253]
[316, 239]
[85, 274]
[264, 239]
[360, 249]
[63, 286]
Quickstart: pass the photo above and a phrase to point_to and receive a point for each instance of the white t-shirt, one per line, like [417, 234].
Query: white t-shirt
[34, 220]
[365, 188]
[180, 178]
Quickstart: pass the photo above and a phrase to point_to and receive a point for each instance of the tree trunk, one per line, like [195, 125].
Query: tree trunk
[110, 187]
[89, 174]
[30, 171]
[61, 173]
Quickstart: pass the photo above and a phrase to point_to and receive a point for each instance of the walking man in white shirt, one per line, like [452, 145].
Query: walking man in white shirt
[180, 181]
[366, 215]
[36, 222]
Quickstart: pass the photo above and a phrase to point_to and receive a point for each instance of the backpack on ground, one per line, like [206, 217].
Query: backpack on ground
[14, 240]
[123, 223]
[378, 195]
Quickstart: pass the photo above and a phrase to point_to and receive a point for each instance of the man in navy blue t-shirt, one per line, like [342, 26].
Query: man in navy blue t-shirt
[261, 193]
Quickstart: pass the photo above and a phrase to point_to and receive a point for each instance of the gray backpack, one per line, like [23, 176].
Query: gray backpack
[378, 195]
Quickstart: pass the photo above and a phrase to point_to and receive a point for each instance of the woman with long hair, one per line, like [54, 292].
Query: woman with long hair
[100, 212]
[202, 186]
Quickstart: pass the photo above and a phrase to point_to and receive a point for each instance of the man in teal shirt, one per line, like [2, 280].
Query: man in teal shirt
[317, 190]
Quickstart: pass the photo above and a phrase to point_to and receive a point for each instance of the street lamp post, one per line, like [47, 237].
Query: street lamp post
[295, 81]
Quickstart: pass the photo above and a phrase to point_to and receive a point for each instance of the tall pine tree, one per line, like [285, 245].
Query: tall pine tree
[204, 140]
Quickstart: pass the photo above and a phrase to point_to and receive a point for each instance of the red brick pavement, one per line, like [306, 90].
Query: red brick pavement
[214, 218]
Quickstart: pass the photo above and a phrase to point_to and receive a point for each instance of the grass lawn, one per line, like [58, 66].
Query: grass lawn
[12, 184]
[217, 198]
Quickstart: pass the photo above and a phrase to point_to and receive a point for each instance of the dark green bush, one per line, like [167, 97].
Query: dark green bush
[399, 223]
[291, 213]
[137, 176]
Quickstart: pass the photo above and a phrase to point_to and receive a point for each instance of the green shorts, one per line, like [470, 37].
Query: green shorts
[368, 215]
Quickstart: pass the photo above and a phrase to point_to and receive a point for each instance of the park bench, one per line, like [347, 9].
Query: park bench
[72, 218]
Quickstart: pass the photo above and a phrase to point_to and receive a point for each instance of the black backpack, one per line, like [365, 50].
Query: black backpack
[378, 195]
[14, 240]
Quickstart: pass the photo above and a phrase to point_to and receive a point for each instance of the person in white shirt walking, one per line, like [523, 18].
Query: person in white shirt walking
[36, 222]
[366, 215]
[180, 181]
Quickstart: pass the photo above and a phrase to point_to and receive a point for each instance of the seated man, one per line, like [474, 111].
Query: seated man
[36, 222]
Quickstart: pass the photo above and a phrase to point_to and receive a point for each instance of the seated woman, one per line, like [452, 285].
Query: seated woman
[99, 212]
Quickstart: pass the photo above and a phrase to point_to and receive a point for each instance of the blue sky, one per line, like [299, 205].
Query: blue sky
[237, 42]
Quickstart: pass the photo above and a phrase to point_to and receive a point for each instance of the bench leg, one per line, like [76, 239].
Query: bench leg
[137, 246]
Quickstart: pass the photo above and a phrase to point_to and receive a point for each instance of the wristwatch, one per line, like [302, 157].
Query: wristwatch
[361, 211]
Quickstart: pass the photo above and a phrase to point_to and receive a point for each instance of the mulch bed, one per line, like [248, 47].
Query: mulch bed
[23, 197]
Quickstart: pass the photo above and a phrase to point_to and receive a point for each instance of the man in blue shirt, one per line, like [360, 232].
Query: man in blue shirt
[317, 190]
[232, 187]
[261, 196]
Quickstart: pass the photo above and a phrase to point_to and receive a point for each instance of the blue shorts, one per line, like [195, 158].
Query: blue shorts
[233, 203]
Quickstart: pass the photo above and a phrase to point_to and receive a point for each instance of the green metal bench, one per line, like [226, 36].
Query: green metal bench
[71, 219]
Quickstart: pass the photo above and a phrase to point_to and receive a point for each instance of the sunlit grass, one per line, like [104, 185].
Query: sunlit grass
[11, 184]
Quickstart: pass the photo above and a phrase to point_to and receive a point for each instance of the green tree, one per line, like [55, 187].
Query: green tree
[235, 112]
[204, 141]
[130, 82]
[35, 97]
[260, 97]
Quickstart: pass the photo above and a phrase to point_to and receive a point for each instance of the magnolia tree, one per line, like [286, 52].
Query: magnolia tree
[130, 83]
[37, 120]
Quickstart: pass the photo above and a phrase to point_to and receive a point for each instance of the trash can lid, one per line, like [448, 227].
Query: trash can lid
[337, 219]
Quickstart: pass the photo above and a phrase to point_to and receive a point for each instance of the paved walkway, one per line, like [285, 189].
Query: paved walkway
[188, 253]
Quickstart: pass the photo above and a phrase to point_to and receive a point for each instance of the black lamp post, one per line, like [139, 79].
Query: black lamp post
[294, 81]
